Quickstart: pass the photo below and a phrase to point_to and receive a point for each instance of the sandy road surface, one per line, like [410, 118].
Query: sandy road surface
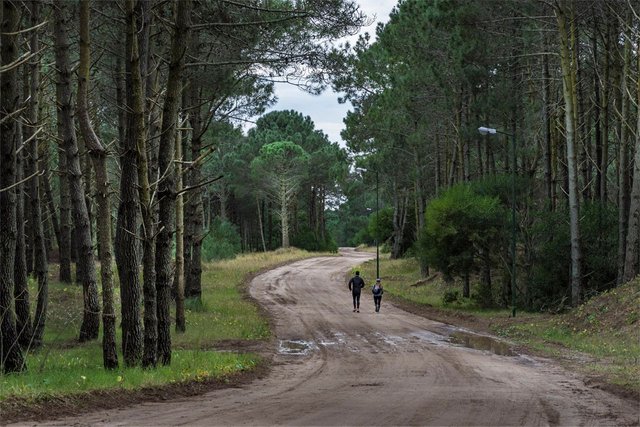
[336, 367]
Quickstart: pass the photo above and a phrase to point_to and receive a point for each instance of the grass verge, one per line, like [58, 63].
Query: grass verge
[600, 339]
[67, 371]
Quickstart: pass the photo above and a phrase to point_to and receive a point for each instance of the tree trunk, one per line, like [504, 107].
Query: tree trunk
[546, 96]
[21, 290]
[91, 317]
[597, 107]
[11, 359]
[284, 215]
[126, 245]
[631, 265]
[180, 320]
[604, 158]
[166, 186]
[65, 215]
[45, 182]
[99, 158]
[137, 136]
[40, 264]
[623, 162]
[194, 232]
[569, 95]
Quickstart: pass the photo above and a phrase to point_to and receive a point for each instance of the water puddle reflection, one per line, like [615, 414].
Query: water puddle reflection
[295, 347]
[480, 342]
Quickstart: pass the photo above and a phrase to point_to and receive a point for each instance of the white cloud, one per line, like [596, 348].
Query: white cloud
[324, 109]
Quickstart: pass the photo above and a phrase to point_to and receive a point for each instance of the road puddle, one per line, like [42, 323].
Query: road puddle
[295, 347]
[481, 342]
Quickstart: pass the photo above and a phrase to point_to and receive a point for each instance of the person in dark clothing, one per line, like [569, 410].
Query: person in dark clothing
[377, 293]
[355, 286]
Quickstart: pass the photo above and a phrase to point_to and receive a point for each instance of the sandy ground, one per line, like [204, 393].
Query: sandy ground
[336, 367]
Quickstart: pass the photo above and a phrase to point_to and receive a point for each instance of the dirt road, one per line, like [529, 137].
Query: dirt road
[336, 367]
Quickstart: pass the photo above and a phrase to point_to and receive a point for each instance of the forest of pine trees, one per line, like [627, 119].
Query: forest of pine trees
[558, 83]
[118, 121]
[124, 165]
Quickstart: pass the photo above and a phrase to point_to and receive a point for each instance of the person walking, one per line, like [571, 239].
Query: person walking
[355, 286]
[377, 294]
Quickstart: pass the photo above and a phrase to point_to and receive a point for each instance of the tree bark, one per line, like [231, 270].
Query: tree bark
[569, 95]
[21, 290]
[194, 232]
[40, 262]
[126, 246]
[11, 358]
[65, 215]
[180, 320]
[546, 96]
[604, 158]
[623, 162]
[166, 186]
[99, 158]
[631, 266]
[86, 262]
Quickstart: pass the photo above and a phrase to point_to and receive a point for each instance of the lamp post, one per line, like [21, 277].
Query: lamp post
[377, 222]
[377, 228]
[491, 131]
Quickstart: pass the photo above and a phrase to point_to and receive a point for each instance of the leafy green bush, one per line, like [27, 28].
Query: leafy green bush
[222, 242]
[460, 227]
[381, 224]
[450, 297]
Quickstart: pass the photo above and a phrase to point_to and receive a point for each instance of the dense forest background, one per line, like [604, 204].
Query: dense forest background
[121, 141]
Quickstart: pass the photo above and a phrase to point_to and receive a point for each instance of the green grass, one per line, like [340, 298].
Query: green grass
[63, 367]
[80, 370]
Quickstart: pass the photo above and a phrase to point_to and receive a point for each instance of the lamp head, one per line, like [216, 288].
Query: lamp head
[485, 130]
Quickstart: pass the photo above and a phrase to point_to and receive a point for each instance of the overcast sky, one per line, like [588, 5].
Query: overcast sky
[324, 109]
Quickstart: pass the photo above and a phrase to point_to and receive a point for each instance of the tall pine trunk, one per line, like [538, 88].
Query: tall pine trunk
[631, 265]
[180, 319]
[21, 289]
[99, 158]
[569, 94]
[166, 186]
[137, 63]
[126, 245]
[623, 161]
[40, 262]
[86, 262]
[11, 358]
[193, 206]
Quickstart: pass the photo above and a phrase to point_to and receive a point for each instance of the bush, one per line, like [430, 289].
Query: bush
[450, 297]
[381, 224]
[460, 226]
[222, 242]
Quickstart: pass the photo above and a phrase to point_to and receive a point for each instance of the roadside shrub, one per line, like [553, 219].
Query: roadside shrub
[381, 225]
[222, 242]
[463, 231]
[450, 297]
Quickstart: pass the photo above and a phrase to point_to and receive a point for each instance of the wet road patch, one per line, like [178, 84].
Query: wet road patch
[295, 347]
[481, 342]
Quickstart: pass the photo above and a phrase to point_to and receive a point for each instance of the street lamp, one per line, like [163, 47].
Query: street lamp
[491, 131]
[377, 222]
[377, 228]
